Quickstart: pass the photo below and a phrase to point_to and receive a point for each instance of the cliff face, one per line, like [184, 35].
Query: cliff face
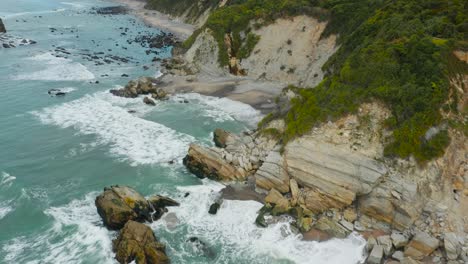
[189, 11]
[2, 27]
[295, 56]
[290, 51]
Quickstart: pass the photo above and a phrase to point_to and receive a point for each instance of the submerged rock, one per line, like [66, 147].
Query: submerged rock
[120, 204]
[137, 242]
[148, 101]
[201, 247]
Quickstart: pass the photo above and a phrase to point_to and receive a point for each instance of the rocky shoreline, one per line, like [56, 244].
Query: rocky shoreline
[334, 180]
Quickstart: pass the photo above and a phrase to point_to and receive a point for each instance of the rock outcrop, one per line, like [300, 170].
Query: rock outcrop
[335, 180]
[208, 162]
[121, 207]
[144, 86]
[2, 27]
[137, 242]
[120, 204]
[330, 176]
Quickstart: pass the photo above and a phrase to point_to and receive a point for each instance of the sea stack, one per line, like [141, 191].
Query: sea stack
[2, 27]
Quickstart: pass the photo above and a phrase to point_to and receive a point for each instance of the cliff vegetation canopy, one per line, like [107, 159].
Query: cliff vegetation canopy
[395, 51]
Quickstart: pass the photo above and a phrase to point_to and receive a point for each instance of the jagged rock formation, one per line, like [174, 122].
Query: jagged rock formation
[143, 85]
[336, 180]
[121, 207]
[2, 27]
[137, 242]
[119, 204]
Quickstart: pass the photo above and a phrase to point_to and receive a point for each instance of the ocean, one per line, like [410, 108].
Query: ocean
[57, 153]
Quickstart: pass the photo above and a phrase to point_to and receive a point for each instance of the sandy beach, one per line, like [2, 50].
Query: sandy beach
[156, 19]
[260, 94]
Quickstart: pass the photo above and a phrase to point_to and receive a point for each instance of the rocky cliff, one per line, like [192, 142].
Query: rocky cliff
[299, 53]
[189, 11]
[336, 180]
[2, 27]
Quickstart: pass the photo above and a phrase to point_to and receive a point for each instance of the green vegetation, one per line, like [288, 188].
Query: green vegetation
[399, 54]
[235, 19]
[192, 9]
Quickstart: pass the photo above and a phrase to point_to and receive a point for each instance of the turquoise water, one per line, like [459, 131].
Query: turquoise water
[57, 153]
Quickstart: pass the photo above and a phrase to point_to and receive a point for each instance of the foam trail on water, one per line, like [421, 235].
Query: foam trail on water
[223, 109]
[76, 234]
[131, 138]
[233, 230]
[7, 180]
[56, 69]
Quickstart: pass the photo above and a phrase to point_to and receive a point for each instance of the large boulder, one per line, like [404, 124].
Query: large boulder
[331, 175]
[208, 163]
[2, 27]
[137, 242]
[119, 204]
[421, 245]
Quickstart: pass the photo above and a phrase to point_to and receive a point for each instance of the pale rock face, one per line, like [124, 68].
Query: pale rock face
[331, 176]
[299, 52]
[204, 54]
[386, 243]
[452, 246]
[272, 173]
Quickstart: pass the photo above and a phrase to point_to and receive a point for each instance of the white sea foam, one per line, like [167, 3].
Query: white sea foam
[76, 234]
[6, 180]
[5, 209]
[240, 239]
[131, 138]
[56, 69]
[223, 109]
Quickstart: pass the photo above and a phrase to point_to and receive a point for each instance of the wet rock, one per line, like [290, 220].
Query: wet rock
[201, 247]
[421, 245]
[120, 204]
[2, 27]
[137, 242]
[316, 235]
[159, 94]
[260, 220]
[281, 204]
[330, 226]
[159, 201]
[143, 85]
[148, 101]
